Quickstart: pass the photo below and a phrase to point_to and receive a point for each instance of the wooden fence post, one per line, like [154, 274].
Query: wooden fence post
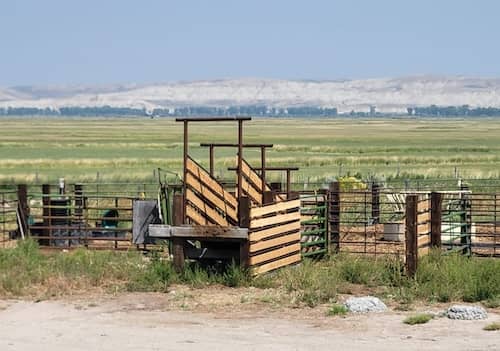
[244, 205]
[178, 243]
[267, 197]
[411, 234]
[375, 203]
[436, 218]
[22, 198]
[46, 211]
[334, 216]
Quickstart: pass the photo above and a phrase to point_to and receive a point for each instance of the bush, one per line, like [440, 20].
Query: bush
[492, 326]
[337, 310]
[418, 319]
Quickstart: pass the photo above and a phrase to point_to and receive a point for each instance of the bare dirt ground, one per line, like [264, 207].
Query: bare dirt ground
[218, 318]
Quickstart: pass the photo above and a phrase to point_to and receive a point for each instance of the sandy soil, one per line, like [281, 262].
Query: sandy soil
[222, 319]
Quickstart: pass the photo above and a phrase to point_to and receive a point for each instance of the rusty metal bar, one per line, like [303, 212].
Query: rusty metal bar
[212, 119]
[248, 146]
[263, 170]
[186, 150]
[211, 157]
[240, 158]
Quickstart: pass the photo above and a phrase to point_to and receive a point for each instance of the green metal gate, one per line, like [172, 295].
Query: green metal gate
[314, 224]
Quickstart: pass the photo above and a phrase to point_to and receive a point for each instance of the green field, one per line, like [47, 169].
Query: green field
[119, 149]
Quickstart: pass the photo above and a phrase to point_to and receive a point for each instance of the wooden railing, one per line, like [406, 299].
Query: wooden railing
[207, 202]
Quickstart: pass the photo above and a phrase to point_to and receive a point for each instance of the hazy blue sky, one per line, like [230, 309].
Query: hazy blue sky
[110, 41]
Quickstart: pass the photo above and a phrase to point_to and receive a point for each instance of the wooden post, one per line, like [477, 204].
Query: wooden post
[186, 152]
[46, 210]
[211, 158]
[375, 203]
[178, 209]
[436, 217]
[244, 222]
[263, 172]
[334, 216]
[178, 243]
[288, 183]
[22, 198]
[240, 159]
[411, 234]
[267, 197]
[275, 187]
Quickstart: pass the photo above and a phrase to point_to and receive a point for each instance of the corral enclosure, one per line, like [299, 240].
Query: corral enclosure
[355, 216]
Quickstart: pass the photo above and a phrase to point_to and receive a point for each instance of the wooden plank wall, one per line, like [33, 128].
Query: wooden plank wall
[252, 185]
[423, 225]
[274, 236]
[207, 202]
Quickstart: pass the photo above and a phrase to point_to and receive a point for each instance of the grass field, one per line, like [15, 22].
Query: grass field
[119, 149]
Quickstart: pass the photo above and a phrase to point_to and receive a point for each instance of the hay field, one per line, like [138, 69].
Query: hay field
[126, 149]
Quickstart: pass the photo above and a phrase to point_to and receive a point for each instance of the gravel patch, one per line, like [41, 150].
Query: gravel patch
[365, 304]
[466, 312]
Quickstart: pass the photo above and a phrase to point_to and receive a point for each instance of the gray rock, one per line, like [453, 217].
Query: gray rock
[365, 304]
[466, 312]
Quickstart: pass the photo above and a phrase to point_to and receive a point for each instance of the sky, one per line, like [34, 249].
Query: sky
[123, 41]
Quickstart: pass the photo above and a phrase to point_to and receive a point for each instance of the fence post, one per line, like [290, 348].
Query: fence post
[436, 218]
[22, 198]
[334, 216]
[46, 211]
[244, 205]
[178, 243]
[411, 234]
[267, 197]
[375, 203]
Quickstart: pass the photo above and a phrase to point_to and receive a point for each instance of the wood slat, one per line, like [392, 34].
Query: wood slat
[205, 208]
[214, 185]
[424, 217]
[424, 206]
[270, 232]
[278, 207]
[275, 220]
[267, 244]
[252, 193]
[253, 177]
[254, 260]
[423, 240]
[207, 193]
[197, 231]
[196, 217]
[423, 229]
[277, 264]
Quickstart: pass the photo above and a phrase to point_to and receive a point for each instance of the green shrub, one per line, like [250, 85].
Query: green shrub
[337, 310]
[418, 319]
[492, 326]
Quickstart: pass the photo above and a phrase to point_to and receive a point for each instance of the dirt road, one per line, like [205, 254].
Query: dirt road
[145, 322]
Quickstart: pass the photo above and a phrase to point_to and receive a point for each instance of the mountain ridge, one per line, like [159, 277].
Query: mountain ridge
[388, 95]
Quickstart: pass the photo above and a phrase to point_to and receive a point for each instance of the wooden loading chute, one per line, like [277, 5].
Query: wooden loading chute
[250, 223]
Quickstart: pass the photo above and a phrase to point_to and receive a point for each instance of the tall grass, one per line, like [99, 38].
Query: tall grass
[25, 271]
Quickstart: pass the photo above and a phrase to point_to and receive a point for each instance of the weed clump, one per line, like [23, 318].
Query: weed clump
[418, 319]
